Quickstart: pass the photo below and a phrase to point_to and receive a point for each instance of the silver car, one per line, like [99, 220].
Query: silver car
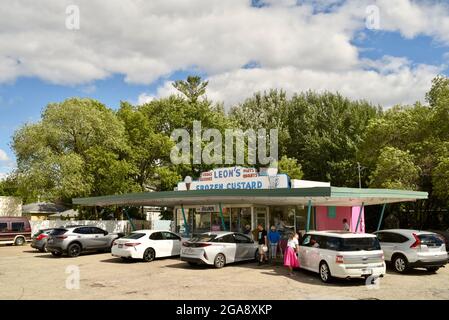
[75, 239]
[218, 249]
[407, 249]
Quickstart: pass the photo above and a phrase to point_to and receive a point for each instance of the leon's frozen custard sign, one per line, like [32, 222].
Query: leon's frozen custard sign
[235, 178]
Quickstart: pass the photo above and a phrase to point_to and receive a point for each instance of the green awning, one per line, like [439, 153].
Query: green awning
[320, 196]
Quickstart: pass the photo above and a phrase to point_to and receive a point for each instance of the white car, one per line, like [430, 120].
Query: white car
[147, 245]
[219, 248]
[342, 255]
[407, 249]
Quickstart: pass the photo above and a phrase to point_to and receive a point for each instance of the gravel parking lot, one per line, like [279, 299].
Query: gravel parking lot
[28, 274]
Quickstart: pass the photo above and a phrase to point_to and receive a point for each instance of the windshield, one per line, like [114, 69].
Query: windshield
[358, 244]
[135, 235]
[204, 238]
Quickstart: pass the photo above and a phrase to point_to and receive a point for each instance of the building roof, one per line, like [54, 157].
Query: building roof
[320, 196]
[66, 214]
[43, 208]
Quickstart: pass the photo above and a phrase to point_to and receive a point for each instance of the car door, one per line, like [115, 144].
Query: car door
[100, 240]
[315, 252]
[228, 247]
[304, 251]
[159, 244]
[85, 237]
[244, 246]
[386, 243]
[173, 243]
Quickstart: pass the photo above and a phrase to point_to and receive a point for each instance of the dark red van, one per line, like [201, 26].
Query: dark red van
[14, 230]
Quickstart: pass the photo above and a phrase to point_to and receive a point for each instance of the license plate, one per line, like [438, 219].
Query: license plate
[367, 271]
[188, 251]
[120, 245]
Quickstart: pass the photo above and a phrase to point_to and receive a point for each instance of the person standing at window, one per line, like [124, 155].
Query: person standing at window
[345, 225]
[273, 237]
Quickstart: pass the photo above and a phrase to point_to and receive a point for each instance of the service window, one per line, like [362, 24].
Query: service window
[3, 227]
[17, 226]
[156, 236]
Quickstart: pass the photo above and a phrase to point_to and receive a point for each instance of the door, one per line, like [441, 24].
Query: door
[387, 244]
[85, 237]
[100, 240]
[161, 246]
[304, 251]
[314, 256]
[229, 247]
[173, 243]
[244, 247]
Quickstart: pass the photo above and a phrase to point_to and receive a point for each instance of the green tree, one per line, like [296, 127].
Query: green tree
[192, 87]
[291, 167]
[395, 169]
[76, 145]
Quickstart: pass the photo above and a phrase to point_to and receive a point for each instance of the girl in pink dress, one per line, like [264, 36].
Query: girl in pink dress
[290, 257]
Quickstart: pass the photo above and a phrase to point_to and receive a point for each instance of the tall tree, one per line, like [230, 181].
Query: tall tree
[192, 87]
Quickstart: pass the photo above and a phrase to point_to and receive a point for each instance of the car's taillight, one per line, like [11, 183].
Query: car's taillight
[41, 236]
[186, 244]
[339, 259]
[132, 244]
[382, 257]
[417, 242]
[200, 245]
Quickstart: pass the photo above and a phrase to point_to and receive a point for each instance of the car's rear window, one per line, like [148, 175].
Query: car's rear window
[204, 238]
[358, 244]
[431, 240]
[57, 232]
[134, 236]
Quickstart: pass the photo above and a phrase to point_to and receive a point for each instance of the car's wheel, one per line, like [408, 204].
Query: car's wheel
[56, 253]
[149, 255]
[325, 272]
[74, 250]
[219, 261]
[433, 269]
[400, 263]
[19, 241]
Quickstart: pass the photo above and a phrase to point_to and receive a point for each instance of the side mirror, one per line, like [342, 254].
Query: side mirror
[106, 233]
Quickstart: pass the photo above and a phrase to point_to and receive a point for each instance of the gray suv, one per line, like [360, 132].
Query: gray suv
[75, 239]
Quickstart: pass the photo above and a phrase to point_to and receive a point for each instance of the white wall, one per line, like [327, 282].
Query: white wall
[108, 225]
[10, 206]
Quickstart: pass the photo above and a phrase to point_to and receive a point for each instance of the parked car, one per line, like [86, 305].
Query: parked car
[341, 254]
[147, 245]
[76, 239]
[39, 240]
[407, 249]
[218, 248]
[14, 230]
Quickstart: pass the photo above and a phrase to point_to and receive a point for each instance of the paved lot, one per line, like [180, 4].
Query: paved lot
[28, 274]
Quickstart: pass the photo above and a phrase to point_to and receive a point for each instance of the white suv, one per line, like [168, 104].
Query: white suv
[413, 249]
[342, 255]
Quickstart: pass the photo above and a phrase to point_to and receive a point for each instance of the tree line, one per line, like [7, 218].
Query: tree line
[80, 147]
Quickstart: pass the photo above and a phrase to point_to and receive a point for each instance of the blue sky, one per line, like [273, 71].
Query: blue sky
[239, 48]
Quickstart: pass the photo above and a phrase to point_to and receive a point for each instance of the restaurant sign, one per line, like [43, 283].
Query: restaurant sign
[235, 178]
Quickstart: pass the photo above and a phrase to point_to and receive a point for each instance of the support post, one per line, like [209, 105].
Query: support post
[222, 218]
[309, 212]
[186, 225]
[381, 216]
[359, 217]
[133, 227]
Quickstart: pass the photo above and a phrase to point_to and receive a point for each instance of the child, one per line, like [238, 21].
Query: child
[290, 257]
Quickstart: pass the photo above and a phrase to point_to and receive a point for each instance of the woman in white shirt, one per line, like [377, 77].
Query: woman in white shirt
[290, 257]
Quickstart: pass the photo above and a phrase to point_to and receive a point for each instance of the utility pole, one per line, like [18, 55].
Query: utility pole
[360, 180]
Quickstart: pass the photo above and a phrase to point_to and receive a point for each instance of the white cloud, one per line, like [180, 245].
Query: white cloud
[144, 98]
[3, 176]
[3, 156]
[296, 47]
